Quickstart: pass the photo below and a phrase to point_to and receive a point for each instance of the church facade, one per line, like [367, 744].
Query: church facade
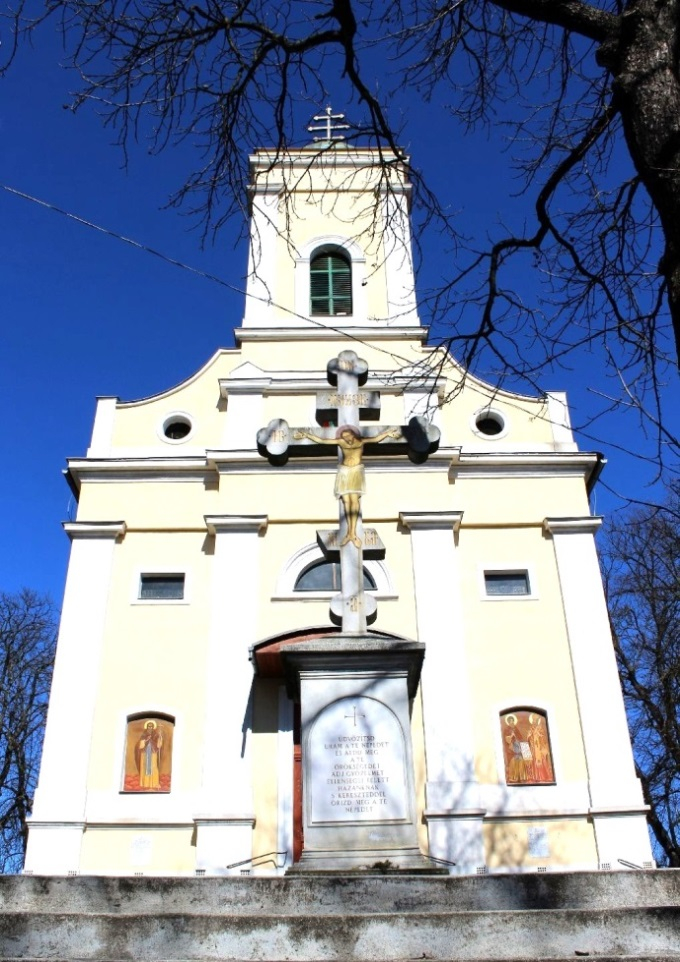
[197, 566]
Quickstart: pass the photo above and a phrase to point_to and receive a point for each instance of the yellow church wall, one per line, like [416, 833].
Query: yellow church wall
[152, 505]
[526, 421]
[154, 655]
[282, 541]
[517, 648]
[494, 654]
[286, 493]
[126, 850]
[347, 215]
[387, 354]
[138, 423]
[419, 767]
[527, 418]
[265, 770]
[504, 501]
[570, 842]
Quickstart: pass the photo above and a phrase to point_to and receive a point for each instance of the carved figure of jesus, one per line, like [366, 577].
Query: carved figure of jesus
[350, 480]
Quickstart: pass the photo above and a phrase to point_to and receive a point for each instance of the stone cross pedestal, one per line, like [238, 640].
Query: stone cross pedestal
[359, 805]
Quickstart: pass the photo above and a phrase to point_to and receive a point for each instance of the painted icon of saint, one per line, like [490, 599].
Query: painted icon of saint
[148, 756]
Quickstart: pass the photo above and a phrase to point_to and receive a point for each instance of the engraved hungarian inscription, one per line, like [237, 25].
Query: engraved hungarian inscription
[359, 771]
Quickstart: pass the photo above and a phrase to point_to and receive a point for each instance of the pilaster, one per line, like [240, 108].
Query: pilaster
[399, 274]
[260, 307]
[617, 806]
[452, 812]
[58, 817]
[224, 825]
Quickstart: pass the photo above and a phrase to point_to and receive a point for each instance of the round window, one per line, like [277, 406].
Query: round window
[176, 427]
[489, 423]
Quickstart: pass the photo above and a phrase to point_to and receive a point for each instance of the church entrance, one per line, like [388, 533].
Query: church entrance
[329, 827]
[268, 664]
[298, 824]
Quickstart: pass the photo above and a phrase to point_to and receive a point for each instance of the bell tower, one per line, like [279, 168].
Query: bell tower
[330, 240]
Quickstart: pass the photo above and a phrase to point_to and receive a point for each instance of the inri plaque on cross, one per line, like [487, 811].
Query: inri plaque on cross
[349, 403]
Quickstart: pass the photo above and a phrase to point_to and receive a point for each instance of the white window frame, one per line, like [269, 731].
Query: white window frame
[157, 572]
[508, 569]
[179, 416]
[357, 261]
[492, 411]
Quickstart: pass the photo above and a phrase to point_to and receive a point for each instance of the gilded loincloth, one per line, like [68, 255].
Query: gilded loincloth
[350, 480]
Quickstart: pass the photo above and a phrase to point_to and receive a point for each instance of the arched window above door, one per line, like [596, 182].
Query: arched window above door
[325, 576]
[307, 575]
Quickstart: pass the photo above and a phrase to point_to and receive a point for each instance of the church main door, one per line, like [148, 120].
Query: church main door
[298, 830]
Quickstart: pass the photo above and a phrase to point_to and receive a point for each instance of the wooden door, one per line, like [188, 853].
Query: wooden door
[298, 829]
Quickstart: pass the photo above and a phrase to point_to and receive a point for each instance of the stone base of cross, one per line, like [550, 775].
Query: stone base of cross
[347, 373]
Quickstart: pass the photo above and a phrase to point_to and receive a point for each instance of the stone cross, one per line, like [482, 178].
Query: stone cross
[349, 403]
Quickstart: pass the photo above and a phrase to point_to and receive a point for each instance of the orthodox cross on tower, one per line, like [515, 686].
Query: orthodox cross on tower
[327, 121]
[347, 374]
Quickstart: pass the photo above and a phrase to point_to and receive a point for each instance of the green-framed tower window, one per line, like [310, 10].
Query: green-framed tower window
[330, 285]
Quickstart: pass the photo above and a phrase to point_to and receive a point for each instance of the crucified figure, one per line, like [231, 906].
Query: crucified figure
[350, 480]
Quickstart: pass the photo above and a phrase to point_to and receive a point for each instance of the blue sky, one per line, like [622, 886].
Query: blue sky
[84, 315]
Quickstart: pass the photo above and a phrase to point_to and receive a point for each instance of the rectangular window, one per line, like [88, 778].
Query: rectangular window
[161, 587]
[500, 583]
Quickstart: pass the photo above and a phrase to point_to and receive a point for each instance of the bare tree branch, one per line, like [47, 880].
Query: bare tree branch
[27, 643]
[641, 564]
[589, 94]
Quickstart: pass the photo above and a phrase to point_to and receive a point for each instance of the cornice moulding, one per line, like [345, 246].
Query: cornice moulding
[320, 333]
[387, 383]
[221, 523]
[94, 529]
[523, 464]
[248, 461]
[585, 525]
[431, 520]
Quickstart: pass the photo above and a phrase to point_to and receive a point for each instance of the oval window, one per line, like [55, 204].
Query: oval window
[490, 423]
[176, 427]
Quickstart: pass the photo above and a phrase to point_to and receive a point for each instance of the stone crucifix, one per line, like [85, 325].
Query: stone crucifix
[349, 404]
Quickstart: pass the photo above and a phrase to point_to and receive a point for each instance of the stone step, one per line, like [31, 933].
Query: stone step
[395, 918]
[152, 936]
[359, 895]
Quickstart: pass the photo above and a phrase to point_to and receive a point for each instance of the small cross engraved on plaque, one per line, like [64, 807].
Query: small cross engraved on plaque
[354, 715]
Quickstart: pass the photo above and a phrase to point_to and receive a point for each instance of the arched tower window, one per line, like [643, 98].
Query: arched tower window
[330, 284]
[148, 753]
[526, 747]
[325, 576]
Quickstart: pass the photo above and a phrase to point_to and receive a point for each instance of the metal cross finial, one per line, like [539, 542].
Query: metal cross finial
[326, 123]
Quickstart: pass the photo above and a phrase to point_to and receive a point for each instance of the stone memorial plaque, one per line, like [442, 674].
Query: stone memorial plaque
[359, 763]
